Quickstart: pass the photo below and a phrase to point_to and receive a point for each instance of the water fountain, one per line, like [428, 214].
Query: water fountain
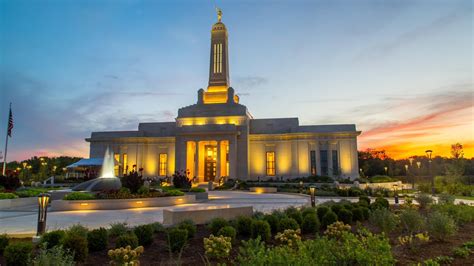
[107, 179]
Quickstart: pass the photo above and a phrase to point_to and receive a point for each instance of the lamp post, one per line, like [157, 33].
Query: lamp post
[386, 170]
[312, 190]
[428, 155]
[406, 171]
[301, 186]
[43, 200]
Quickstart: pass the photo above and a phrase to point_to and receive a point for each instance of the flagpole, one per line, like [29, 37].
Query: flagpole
[6, 142]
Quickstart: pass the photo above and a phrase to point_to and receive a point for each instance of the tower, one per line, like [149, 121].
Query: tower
[218, 90]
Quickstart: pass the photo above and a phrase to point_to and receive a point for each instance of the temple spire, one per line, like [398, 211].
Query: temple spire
[219, 60]
[219, 14]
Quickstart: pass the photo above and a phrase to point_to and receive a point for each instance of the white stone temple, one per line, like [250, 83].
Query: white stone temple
[218, 137]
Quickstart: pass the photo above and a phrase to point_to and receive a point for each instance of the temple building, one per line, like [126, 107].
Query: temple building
[218, 137]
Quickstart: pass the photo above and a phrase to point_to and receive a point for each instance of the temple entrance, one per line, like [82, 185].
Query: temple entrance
[210, 162]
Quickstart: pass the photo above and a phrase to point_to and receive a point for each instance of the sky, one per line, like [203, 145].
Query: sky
[402, 71]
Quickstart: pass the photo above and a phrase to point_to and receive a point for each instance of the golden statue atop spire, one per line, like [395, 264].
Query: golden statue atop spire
[219, 14]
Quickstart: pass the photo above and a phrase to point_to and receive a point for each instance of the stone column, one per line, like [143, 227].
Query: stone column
[330, 170]
[317, 150]
[196, 160]
[233, 157]
[218, 160]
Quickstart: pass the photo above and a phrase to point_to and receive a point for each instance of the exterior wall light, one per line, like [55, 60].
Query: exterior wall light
[312, 190]
[43, 200]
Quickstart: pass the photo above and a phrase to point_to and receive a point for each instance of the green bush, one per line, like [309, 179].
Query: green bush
[18, 253]
[364, 200]
[329, 218]
[117, 229]
[462, 252]
[52, 238]
[287, 223]
[144, 234]
[358, 214]
[76, 244]
[143, 190]
[189, 226]
[380, 203]
[440, 226]
[79, 196]
[261, 229]
[310, 224]
[30, 192]
[197, 190]
[177, 239]
[181, 180]
[294, 213]
[382, 179]
[336, 208]
[4, 240]
[4, 195]
[411, 221]
[54, 256]
[157, 227]
[322, 210]
[424, 200]
[244, 224]
[366, 212]
[383, 219]
[460, 213]
[227, 231]
[345, 216]
[133, 181]
[127, 239]
[308, 210]
[98, 239]
[446, 198]
[273, 221]
[174, 192]
[216, 224]
[78, 229]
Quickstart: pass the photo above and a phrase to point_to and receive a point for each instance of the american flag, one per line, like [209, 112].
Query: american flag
[10, 123]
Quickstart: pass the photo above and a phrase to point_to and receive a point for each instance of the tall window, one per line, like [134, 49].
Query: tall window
[324, 162]
[163, 163]
[335, 163]
[270, 163]
[218, 58]
[116, 166]
[125, 163]
[313, 162]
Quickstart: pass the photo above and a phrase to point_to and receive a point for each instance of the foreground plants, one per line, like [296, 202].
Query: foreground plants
[217, 246]
[125, 256]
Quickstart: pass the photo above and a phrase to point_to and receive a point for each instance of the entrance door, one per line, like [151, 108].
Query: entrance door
[210, 162]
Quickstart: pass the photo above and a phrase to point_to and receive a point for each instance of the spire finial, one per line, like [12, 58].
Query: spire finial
[219, 14]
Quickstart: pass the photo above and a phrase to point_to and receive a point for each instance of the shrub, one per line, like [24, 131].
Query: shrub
[287, 223]
[244, 224]
[97, 239]
[54, 256]
[76, 244]
[308, 210]
[127, 239]
[310, 224]
[345, 216]
[117, 229]
[189, 226]
[52, 238]
[462, 252]
[337, 229]
[446, 198]
[218, 246]
[4, 240]
[261, 229]
[336, 208]
[358, 214]
[364, 200]
[132, 181]
[216, 224]
[322, 211]
[294, 213]
[328, 219]
[384, 220]
[79, 196]
[78, 229]
[289, 237]
[174, 192]
[382, 179]
[143, 190]
[380, 203]
[366, 212]
[411, 221]
[10, 182]
[424, 200]
[177, 239]
[460, 213]
[227, 231]
[125, 256]
[440, 225]
[8, 196]
[273, 221]
[18, 253]
[157, 227]
[181, 180]
[144, 234]
[197, 190]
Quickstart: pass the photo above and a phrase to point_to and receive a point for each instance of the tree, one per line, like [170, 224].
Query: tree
[457, 151]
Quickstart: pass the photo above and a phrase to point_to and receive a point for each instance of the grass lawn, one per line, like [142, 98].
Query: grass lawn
[465, 197]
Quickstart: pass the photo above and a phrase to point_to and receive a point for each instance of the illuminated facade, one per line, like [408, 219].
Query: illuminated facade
[218, 137]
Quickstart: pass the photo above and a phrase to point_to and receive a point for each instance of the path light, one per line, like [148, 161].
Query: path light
[43, 200]
[312, 190]
[301, 186]
[386, 170]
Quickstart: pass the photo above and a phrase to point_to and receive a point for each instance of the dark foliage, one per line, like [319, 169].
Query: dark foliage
[132, 181]
[189, 226]
[216, 224]
[181, 180]
[52, 238]
[177, 238]
[127, 239]
[97, 239]
[329, 218]
[76, 244]
[18, 253]
[288, 223]
[345, 216]
[310, 224]
[261, 229]
[10, 182]
[144, 234]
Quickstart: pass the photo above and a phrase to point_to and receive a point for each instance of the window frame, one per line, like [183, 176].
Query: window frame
[270, 163]
[162, 164]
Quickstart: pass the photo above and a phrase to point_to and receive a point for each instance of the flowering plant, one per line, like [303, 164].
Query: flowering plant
[289, 237]
[125, 256]
[217, 246]
[336, 229]
[413, 241]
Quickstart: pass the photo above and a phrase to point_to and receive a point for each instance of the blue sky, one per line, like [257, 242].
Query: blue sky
[394, 68]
